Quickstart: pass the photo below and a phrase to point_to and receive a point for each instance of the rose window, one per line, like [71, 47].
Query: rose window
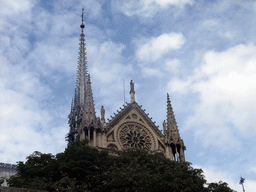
[135, 139]
[134, 135]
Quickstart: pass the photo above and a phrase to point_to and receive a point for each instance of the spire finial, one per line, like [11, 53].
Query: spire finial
[132, 92]
[172, 128]
[82, 25]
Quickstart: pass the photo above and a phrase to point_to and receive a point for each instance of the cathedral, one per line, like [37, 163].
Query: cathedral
[129, 128]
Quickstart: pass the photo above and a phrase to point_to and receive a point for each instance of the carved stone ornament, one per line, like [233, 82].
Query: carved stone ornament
[134, 116]
[133, 135]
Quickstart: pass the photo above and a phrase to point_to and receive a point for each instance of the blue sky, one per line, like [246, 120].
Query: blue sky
[203, 53]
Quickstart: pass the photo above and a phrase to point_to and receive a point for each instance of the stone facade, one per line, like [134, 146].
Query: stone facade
[129, 128]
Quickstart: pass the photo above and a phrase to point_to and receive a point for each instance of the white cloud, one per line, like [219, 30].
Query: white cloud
[169, 69]
[9, 7]
[42, 61]
[150, 7]
[164, 3]
[172, 66]
[51, 55]
[249, 185]
[212, 174]
[215, 25]
[105, 61]
[15, 10]
[149, 72]
[108, 70]
[25, 123]
[252, 170]
[226, 83]
[177, 85]
[26, 120]
[92, 9]
[152, 49]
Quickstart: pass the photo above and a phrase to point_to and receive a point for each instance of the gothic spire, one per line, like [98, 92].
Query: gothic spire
[89, 114]
[81, 69]
[172, 129]
[82, 107]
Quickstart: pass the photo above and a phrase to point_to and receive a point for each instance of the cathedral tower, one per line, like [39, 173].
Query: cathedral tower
[130, 127]
[82, 118]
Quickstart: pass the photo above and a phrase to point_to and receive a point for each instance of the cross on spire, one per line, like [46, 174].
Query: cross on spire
[82, 25]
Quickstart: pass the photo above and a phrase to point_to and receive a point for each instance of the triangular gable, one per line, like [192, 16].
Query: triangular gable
[124, 114]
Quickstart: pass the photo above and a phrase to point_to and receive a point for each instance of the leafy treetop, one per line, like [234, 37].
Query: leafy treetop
[83, 168]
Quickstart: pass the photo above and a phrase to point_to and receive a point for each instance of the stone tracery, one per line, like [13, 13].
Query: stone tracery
[133, 135]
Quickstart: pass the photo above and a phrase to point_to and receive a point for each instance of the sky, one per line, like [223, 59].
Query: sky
[203, 53]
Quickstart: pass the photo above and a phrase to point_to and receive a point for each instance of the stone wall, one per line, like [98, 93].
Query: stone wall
[12, 189]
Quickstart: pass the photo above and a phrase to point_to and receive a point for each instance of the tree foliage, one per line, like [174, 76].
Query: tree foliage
[137, 170]
[83, 168]
[2, 179]
[219, 187]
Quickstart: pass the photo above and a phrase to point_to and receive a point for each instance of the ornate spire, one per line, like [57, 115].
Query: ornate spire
[82, 107]
[89, 114]
[81, 70]
[172, 129]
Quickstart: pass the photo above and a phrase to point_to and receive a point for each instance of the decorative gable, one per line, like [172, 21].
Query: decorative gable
[133, 128]
[132, 112]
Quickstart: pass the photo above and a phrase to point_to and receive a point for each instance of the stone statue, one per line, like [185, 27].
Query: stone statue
[132, 86]
[102, 113]
[132, 92]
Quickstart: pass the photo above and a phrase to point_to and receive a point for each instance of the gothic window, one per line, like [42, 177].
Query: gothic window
[135, 139]
[134, 135]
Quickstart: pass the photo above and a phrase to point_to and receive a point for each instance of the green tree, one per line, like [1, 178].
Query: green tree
[219, 187]
[2, 179]
[38, 172]
[139, 170]
[78, 168]
[83, 168]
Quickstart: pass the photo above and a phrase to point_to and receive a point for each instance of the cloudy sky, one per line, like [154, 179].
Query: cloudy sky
[203, 53]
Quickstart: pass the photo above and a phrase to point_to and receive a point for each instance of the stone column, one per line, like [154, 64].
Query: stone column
[176, 153]
[104, 140]
[170, 152]
[94, 137]
[182, 154]
[83, 134]
[89, 136]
